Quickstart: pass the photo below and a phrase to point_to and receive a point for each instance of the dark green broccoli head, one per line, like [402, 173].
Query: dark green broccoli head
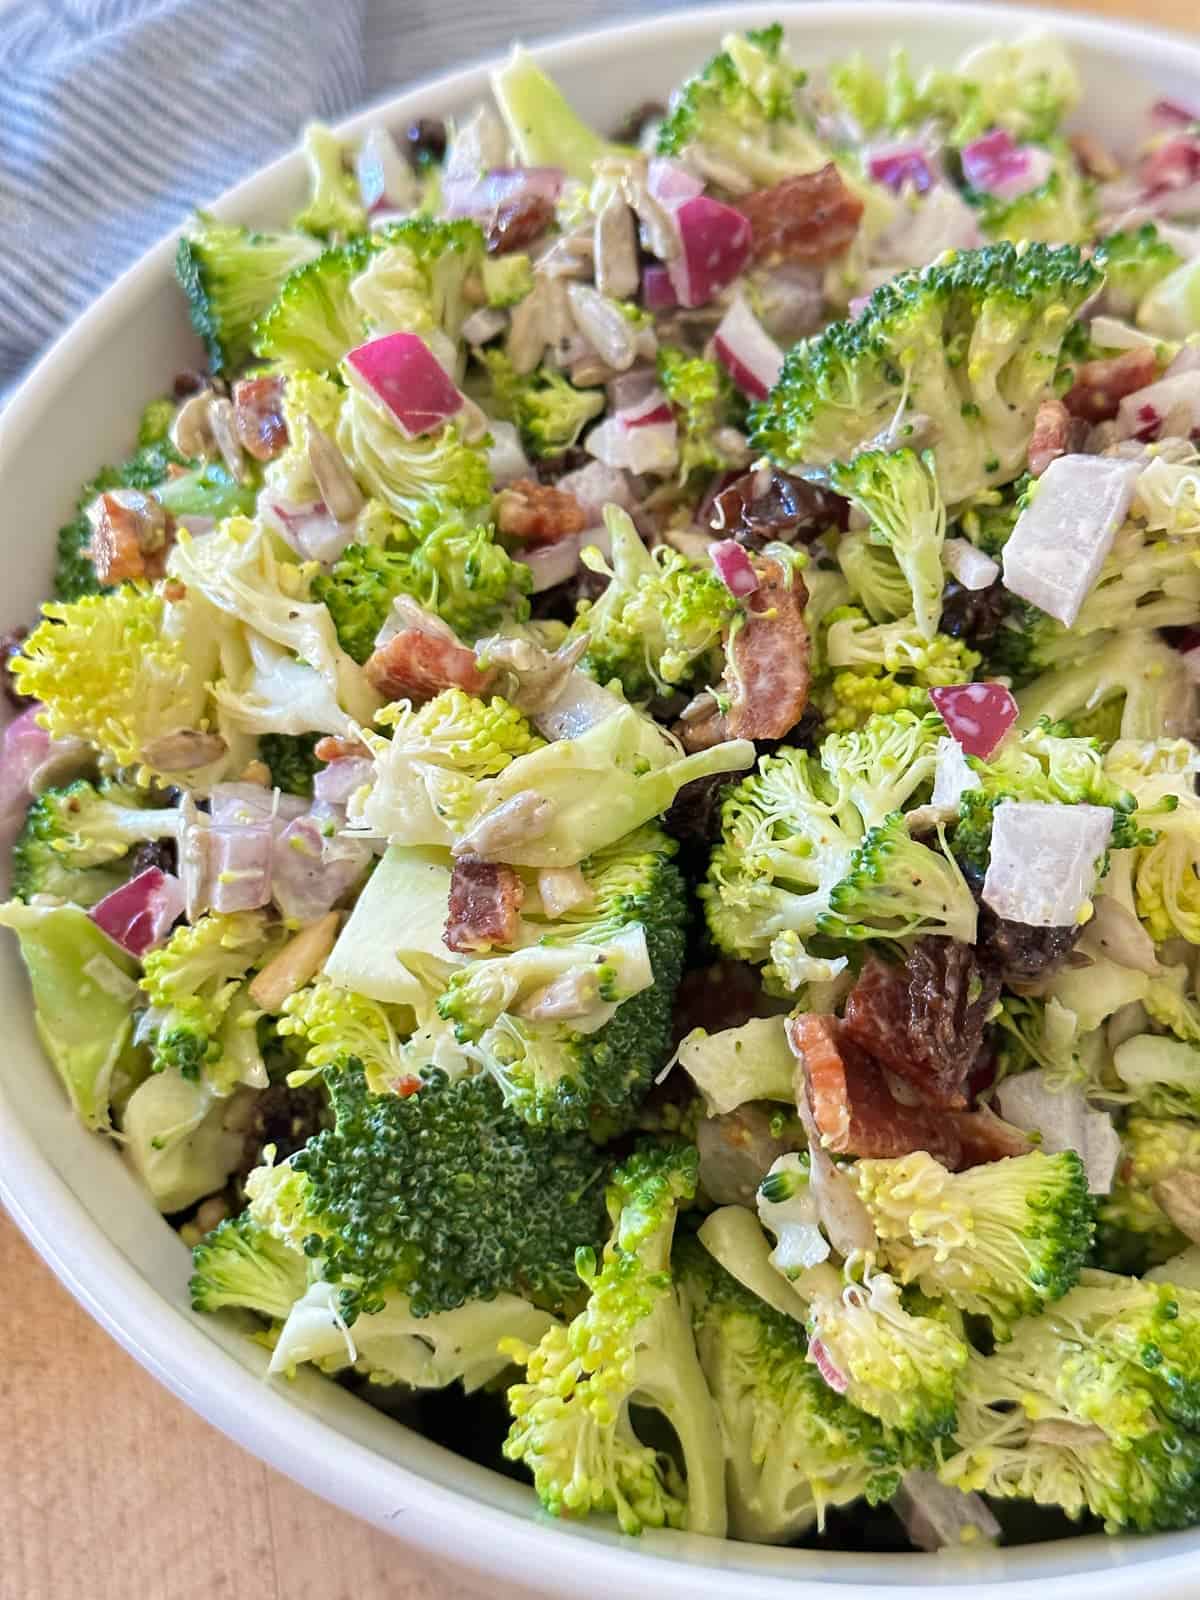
[230, 275]
[444, 1195]
[312, 319]
[76, 841]
[291, 761]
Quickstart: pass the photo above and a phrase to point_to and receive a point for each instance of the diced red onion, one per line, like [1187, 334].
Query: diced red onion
[1142, 415]
[826, 1366]
[938, 1517]
[402, 372]
[646, 447]
[596, 486]
[552, 564]
[714, 242]
[240, 865]
[30, 760]
[628, 389]
[234, 803]
[501, 186]
[994, 165]
[671, 184]
[733, 567]
[747, 352]
[978, 715]
[970, 566]
[1065, 1121]
[650, 408]
[139, 915]
[1171, 114]
[901, 166]
[1174, 164]
[385, 179]
[334, 784]
[1110, 333]
[312, 870]
[658, 292]
[308, 527]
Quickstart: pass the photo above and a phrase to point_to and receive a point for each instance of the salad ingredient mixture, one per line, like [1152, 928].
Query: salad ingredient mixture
[605, 810]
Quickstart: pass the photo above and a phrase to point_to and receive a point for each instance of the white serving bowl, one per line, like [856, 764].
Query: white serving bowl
[86, 1214]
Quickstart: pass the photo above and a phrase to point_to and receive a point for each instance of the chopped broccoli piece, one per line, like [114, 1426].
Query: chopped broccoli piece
[82, 986]
[896, 887]
[290, 760]
[659, 623]
[542, 126]
[230, 275]
[704, 400]
[1090, 1407]
[874, 576]
[1000, 1240]
[741, 109]
[342, 1029]
[631, 1344]
[334, 208]
[419, 477]
[559, 1073]
[75, 840]
[507, 279]
[549, 411]
[793, 1446]
[971, 341]
[450, 566]
[1136, 667]
[898, 493]
[989, 518]
[155, 423]
[314, 319]
[241, 1264]
[1061, 210]
[442, 1195]
[1133, 1231]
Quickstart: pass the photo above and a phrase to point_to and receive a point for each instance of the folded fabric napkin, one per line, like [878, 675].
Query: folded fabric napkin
[118, 116]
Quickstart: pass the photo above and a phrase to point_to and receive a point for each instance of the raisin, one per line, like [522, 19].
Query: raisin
[974, 614]
[425, 140]
[517, 222]
[761, 506]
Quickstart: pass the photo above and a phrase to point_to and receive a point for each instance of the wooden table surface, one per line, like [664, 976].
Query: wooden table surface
[111, 1489]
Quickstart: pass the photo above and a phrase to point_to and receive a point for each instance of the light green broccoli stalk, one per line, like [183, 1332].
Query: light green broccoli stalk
[550, 412]
[230, 276]
[705, 402]
[741, 110]
[415, 477]
[631, 1345]
[197, 985]
[76, 841]
[873, 573]
[1134, 1232]
[659, 623]
[84, 989]
[334, 208]
[972, 341]
[1000, 1240]
[793, 1447]
[1136, 669]
[897, 492]
[1090, 1407]
[542, 126]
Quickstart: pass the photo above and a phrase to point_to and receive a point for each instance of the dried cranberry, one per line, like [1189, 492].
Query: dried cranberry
[425, 140]
[286, 1118]
[695, 812]
[1018, 953]
[10, 648]
[761, 506]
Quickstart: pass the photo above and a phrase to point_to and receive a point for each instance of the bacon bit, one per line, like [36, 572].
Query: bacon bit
[1093, 158]
[832, 1374]
[485, 906]
[985, 1137]
[1051, 433]
[258, 417]
[517, 222]
[330, 748]
[406, 1087]
[809, 218]
[767, 671]
[416, 665]
[131, 534]
[538, 513]
[854, 1110]
[1100, 386]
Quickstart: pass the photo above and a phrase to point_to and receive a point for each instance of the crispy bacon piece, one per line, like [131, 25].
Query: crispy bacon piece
[485, 906]
[854, 1110]
[517, 222]
[1051, 435]
[416, 665]
[131, 534]
[1100, 386]
[767, 667]
[986, 1137]
[808, 218]
[330, 748]
[538, 513]
[258, 417]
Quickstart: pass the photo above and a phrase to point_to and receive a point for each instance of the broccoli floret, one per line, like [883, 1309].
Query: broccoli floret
[507, 279]
[971, 341]
[75, 840]
[817, 847]
[658, 624]
[334, 208]
[450, 566]
[1134, 261]
[741, 110]
[119, 670]
[1136, 667]
[849, 699]
[290, 760]
[897, 491]
[793, 1446]
[204, 1020]
[417, 478]
[230, 276]
[1001, 1240]
[442, 1195]
[341, 1028]
[242, 1264]
[1133, 1231]
[155, 422]
[874, 576]
[704, 400]
[631, 1344]
[1090, 1407]
[1046, 763]
[550, 412]
[314, 318]
[1061, 210]
[890, 667]
[559, 1073]
[902, 1366]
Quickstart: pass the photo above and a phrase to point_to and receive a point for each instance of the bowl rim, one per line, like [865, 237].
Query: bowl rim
[449, 1522]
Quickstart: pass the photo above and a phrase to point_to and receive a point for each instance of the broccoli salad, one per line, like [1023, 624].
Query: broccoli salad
[605, 811]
